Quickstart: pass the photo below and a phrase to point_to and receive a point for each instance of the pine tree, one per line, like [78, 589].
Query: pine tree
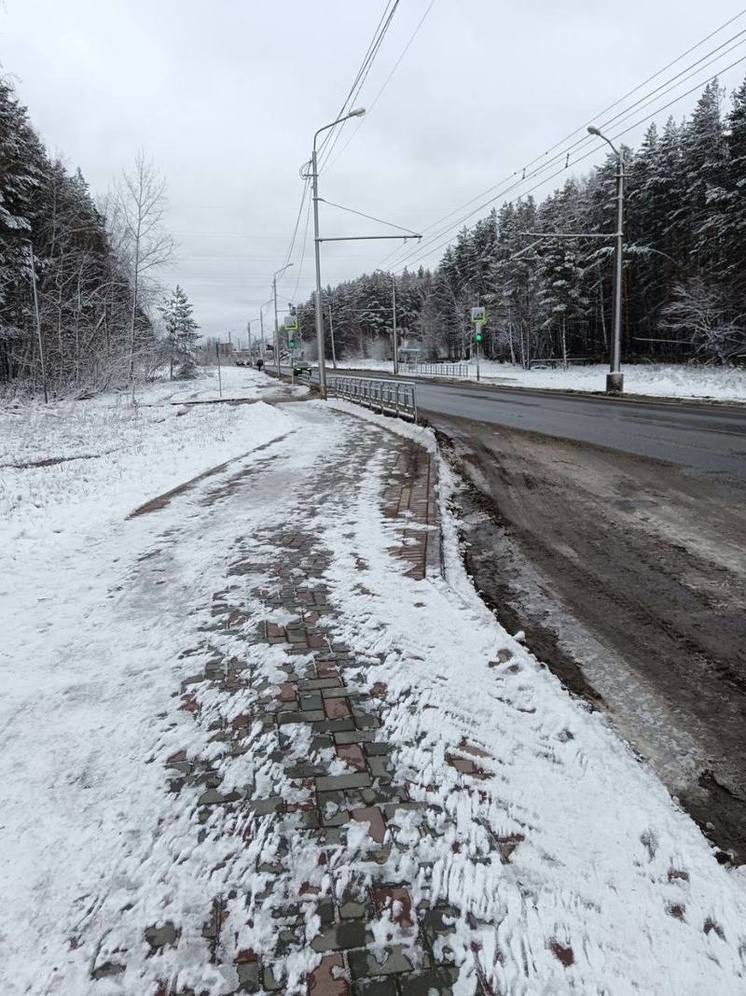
[181, 333]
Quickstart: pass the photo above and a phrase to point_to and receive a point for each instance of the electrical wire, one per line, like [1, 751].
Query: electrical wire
[333, 135]
[362, 65]
[522, 171]
[663, 90]
[303, 252]
[370, 217]
[297, 221]
[385, 84]
[432, 249]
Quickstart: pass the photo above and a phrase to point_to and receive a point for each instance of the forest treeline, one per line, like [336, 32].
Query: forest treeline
[75, 277]
[684, 282]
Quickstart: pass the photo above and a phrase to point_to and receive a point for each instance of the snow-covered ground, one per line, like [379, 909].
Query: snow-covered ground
[104, 455]
[240, 383]
[100, 613]
[654, 379]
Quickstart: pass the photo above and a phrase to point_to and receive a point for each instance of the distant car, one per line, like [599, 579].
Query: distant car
[301, 367]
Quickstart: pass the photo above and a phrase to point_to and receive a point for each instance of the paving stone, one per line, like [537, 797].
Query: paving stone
[377, 748]
[248, 977]
[335, 726]
[107, 969]
[350, 934]
[339, 692]
[379, 767]
[351, 911]
[263, 807]
[353, 736]
[333, 796]
[337, 708]
[161, 937]
[310, 716]
[270, 982]
[336, 819]
[313, 684]
[342, 782]
[305, 769]
[310, 700]
[375, 987]
[310, 819]
[394, 902]
[373, 816]
[214, 798]
[353, 755]
[288, 691]
[325, 979]
[364, 963]
[365, 720]
[423, 983]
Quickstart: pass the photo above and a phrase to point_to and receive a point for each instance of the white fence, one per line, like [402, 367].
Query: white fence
[393, 397]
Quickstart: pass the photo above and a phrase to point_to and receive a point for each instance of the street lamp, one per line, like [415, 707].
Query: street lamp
[277, 330]
[615, 378]
[358, 112]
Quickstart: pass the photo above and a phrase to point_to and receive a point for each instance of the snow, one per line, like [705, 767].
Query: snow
[245, 383]
[65, 456]
[105, 614]
[654, 379]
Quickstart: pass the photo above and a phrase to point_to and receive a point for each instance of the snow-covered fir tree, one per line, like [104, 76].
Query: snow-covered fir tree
[181, 333]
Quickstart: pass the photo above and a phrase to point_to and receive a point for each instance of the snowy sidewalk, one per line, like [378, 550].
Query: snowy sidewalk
[329, 770]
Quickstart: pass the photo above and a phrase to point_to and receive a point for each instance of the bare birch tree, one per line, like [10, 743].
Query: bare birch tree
[139, 208]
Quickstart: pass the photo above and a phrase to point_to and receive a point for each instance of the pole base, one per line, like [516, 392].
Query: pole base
[614, 383]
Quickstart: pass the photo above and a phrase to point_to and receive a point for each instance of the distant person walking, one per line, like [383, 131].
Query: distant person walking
[259, 364]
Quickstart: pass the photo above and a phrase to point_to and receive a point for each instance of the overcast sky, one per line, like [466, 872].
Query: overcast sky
[225, 95]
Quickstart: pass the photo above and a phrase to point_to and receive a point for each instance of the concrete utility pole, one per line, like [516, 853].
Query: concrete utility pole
[615, 378]
[358, 112]
[393, 325]
[277, 328]
[248, 330]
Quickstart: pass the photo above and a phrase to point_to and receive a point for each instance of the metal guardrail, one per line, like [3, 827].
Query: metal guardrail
[437, 369]
[393, 397]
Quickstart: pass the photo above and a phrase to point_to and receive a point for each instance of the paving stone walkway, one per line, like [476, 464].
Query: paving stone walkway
[325, 801]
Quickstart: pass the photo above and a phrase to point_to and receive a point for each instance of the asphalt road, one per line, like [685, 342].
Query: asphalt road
[709, 439]
[699, 437]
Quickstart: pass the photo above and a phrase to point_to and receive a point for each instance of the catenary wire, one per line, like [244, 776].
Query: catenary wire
[565, 152]
[561, 143]
[430, 250]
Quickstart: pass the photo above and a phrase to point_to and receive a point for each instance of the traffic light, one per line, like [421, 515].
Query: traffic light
[478, 335]
[291, 343]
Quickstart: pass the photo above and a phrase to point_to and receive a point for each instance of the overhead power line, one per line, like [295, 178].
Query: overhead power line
[332, 137]
[386, 82]
[518, 177]
[525, 172]
[403, 264]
